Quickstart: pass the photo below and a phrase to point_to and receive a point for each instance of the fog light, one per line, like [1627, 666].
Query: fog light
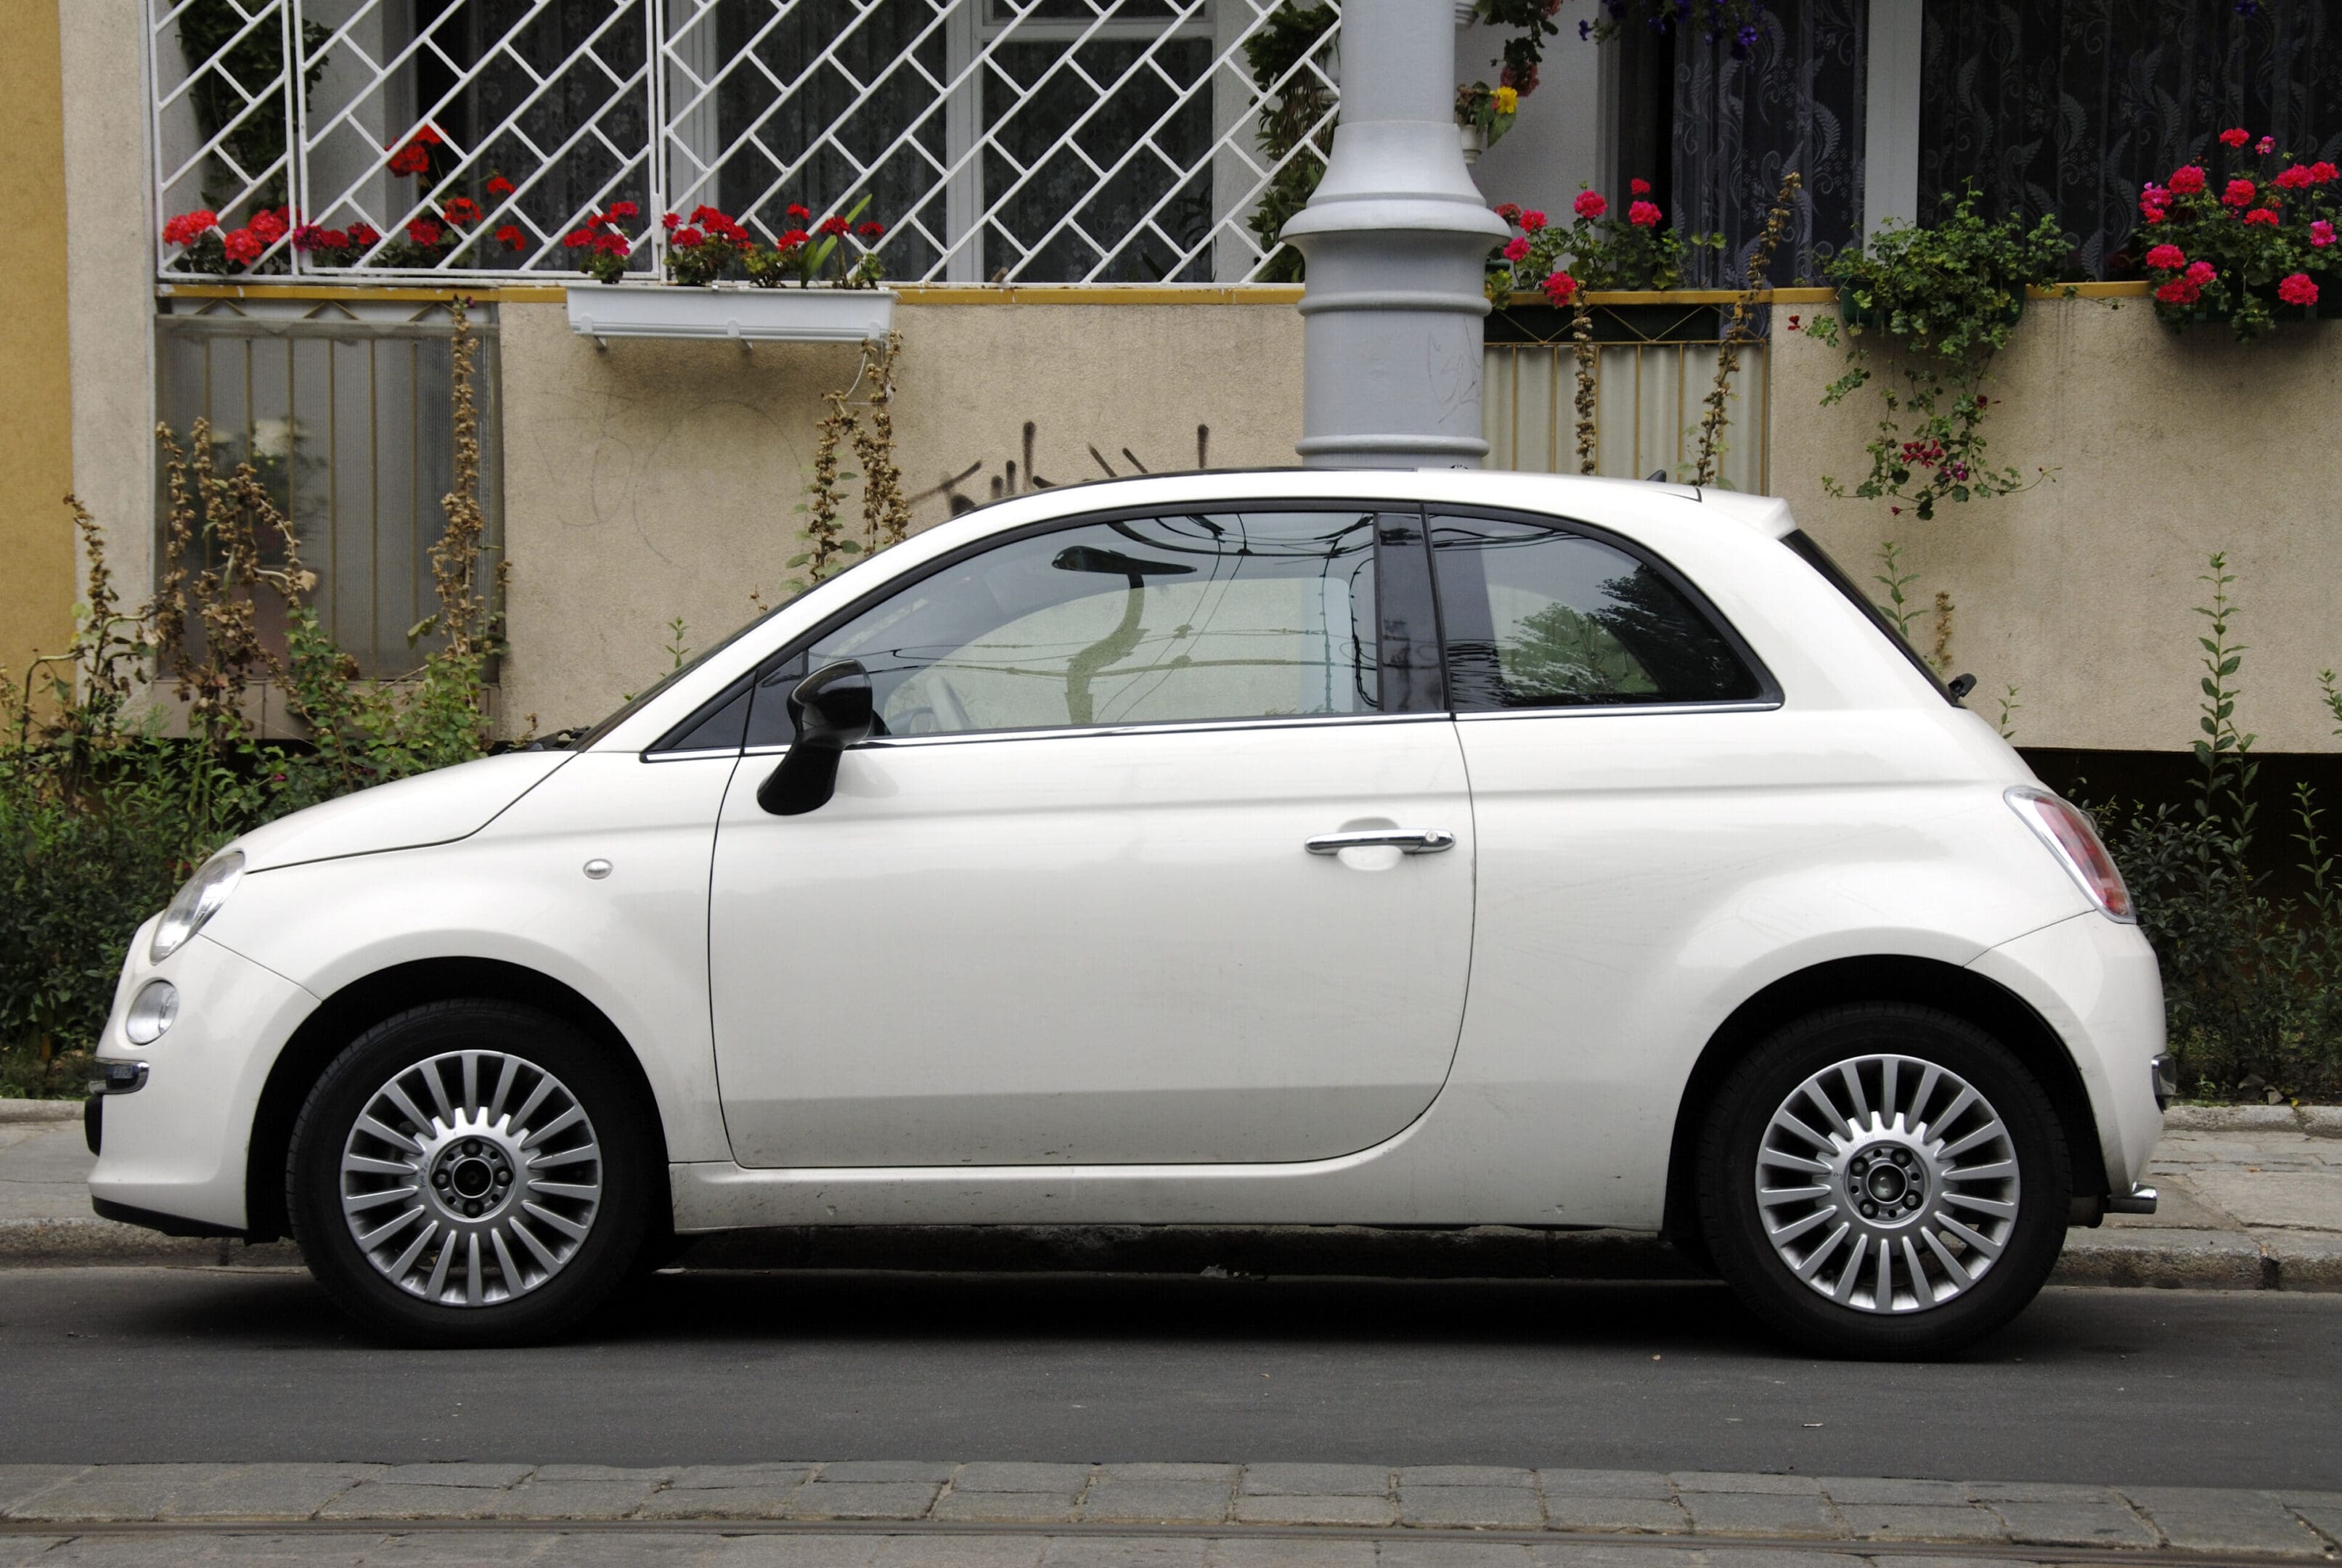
[155, 1011]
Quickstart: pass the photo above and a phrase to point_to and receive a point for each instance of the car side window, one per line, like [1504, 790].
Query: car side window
[1538, 616]
[1154, 620]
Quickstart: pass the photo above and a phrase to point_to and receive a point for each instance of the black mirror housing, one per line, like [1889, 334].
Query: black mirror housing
[833, 708]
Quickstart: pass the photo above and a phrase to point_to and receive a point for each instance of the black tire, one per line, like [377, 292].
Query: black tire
[1734, 1221]
[606, 1147]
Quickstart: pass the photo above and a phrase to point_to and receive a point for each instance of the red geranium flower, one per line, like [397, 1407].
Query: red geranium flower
[689, 238]
[425, 233]
[243, 246]
[1561, 288]
[266, 226]
[612, 243]
[1590, 205]
[871, 229]
[624, 210]
[577, 239]
[798, 215]
[833, 226]
[2297, 290]
[188, 227]
[1517, 249]
[791, 240]
[1508, 210]
[511, 238]
[460, 211]
[670, 222]
[1644, 215]
[2293, 178]
[410, 159]
[2265, 146]
[2201, 273]
[1533, 221]
[499, 187]
[2261, 216]
[2186, 180]
[2321, 234]
[364, 235]
[2239, 194]
[705, 214]
[1639, 187]
[2167, 259]
[2237, 136]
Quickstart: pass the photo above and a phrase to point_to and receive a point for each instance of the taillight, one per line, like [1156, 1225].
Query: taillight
[2068, 831]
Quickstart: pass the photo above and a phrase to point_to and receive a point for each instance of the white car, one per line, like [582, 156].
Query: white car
[1380, 848]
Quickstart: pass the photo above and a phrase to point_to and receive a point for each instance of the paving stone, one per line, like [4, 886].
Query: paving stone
[996, 1477]
[1295, 1551]
[751, 1501]
[1316, 1480]
[1921, 1522]
[2302, 1200]
[2228, 1118]
[794, 1552]
[2322, 1121]
[22, 1550]
[1287, 1509]
[628, 1549]
[826, 1499]
[1463, 1475]
[1595, 1554]
[114, 1492]
[19, 1481]
[538, 1498]
[1845, 1489]
[1648, 1483]
[2304, 1260]
[1743, 1481]
[458, 1475]
[1226, 1473]
[1771, 1559]
[270, 1490]
[659, 1475]
[774, 1474]
[936, 1471]
[1112, 1552]
[1405, 1553]
[2074, 1525]
[1762, 1514]
[2202, 1519]
[2040, 1491]
[388, 1499]
[1111, 1498]
[958, 1551]
[1011, 1507]
[2325, 1518]
[1649, 1515]
[1480, 1507]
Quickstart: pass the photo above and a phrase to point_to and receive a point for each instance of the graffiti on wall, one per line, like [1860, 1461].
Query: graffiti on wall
[964, 491]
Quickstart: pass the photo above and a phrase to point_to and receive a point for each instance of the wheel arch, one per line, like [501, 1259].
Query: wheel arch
[1926, 981]
[367, 1001]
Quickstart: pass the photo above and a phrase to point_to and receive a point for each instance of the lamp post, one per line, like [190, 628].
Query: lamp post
[1395, 239]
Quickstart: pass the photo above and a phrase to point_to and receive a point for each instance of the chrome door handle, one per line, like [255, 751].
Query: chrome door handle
[1406, 839]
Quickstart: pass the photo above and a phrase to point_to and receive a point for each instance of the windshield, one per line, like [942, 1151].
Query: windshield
[1819, 559]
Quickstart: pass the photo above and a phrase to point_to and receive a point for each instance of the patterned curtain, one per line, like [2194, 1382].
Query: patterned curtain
[1794, 103]
[2070, 106]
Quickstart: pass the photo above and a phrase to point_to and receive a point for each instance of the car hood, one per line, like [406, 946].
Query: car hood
[429, 808]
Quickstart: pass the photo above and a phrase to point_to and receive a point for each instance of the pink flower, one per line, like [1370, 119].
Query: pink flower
[2321, 234]
[2178, 290]
[2237, 136]
[1644, 215]
[2167, 259]
[1639, 187]
[2186, 180]
[2293, 178]
[2297, 290]
[1590, 205]
[2154, 196]
[2239, 194]
[2152, 215]
[2261, 216]
[2201, 273]
[2265, 146]
[1561, 288]
[1533, 221]
[1518, 249]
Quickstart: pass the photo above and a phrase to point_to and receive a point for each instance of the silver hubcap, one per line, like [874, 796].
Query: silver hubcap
[471, 1178]
[1887, 1183]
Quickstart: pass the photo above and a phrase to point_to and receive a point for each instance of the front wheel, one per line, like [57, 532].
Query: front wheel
[469, 1173]
[1883, 1179]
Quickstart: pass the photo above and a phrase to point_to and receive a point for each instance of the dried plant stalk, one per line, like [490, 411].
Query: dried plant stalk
[1941, 656]
[1736, 331]
[886, 515]
[1581, 337]
[464, 611]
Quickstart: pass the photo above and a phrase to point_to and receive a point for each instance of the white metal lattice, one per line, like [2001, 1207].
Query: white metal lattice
[1093, 141]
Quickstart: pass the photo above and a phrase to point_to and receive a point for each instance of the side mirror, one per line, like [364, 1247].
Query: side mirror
[832, 709]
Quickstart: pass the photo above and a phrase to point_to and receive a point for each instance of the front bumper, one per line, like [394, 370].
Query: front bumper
[172, 1145]
[2095, 982]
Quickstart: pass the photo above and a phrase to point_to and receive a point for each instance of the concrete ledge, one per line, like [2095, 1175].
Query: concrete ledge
[40, 1111]
[2317, 1121]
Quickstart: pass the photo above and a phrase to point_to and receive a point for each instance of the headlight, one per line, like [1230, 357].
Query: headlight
[154, 1009]
[196, 902]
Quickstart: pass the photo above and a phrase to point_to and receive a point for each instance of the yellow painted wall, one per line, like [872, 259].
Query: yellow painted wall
[36, 544]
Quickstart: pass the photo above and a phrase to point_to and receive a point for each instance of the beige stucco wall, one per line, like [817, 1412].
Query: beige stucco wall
[2165, 448]
[656, 479]
[36, 589]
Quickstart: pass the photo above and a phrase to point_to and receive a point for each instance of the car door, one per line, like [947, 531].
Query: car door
[1079, 900]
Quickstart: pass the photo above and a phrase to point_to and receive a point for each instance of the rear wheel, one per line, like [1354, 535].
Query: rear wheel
[470, 1172]
[1883, 1179]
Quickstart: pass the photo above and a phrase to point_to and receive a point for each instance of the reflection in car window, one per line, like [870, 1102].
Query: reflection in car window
[1537, 616]
[1158, 620]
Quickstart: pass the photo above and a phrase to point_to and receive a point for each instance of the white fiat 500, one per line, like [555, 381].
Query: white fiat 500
[1380, 848]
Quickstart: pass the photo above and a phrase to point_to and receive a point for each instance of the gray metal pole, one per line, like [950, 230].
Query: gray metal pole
[1397, 238]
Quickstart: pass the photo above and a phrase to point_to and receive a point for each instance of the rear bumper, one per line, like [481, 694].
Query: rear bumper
[2095, 982]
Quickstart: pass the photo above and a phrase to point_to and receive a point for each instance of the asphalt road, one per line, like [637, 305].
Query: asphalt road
[2138, 1387]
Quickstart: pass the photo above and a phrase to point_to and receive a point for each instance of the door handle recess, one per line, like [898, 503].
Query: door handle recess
[1406, 840]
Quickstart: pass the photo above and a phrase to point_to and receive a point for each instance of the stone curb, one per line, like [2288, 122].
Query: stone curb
[2317, 1121]
[40, 1111]
[2130, 1257]
[2276, 1523]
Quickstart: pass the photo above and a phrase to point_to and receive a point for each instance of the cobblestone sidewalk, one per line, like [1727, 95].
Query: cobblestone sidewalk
[2252, 1200]
[1002, 1512]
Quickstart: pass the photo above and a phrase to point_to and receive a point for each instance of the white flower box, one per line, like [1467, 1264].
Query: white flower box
[739, 313]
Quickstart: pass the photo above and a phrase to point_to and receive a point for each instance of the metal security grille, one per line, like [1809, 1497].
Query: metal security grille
[1093, 141]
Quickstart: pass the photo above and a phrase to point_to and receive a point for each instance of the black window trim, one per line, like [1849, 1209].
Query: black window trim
[660, 750]
[1768, 690]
